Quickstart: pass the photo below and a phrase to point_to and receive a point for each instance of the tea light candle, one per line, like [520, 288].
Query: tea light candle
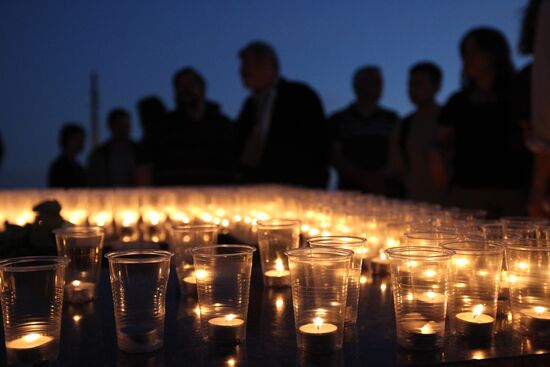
[318, 336]
[421, 335]
[228, 329]
[30, 348]
[278, 277]
[475, 324]
[536, 319]
[79, 291]
[380, 264]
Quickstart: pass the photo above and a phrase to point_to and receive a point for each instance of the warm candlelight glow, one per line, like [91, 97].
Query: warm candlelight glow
[230, 317]
[197, 310]
[77, 318]
[363, 279]
[539, 309]
[279, 303]
[431, 295]
[478, 309]
[430, 273]
[318, 322]
[29, 338]
[201, 274]
[410, 296]
[76, 283]
[279, 265]
[460, 261]
[383, 287]
[523, 266]
[426, 329]
[231, 362]
[383, 256]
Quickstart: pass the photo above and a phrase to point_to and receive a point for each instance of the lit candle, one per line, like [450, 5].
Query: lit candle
[79, 291]
[380, 264]
[475, 324]
[535, 320]
[31, 348]
[278, 277]
[226, 329]
[318, 336]
[421, 335]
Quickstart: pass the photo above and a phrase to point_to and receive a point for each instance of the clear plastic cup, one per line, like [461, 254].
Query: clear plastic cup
[420, 288]
[528, 263]
[355, 244]
[223, 288]
[429, 238]
[275, 236]
[474, 286]
[319, 280]
[32, 301]
[83, 246]
[138, 282]
[184, 238]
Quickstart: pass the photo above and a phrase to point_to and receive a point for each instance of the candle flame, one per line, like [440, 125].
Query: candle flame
[201, 274]
[540, 309]
[430, 273]
[426, 329]
[230, 317]
[279, 303]
[231, 362]
[383, 256]
[76, 283]
[279, 267]
[77, 318]
[363, 279]
[431, 295]
[29, 338]
[478, 309]
[318, 322]
[461, 261]
[523, 266]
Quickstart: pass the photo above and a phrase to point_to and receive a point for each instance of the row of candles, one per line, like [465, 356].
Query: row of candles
[443, 262]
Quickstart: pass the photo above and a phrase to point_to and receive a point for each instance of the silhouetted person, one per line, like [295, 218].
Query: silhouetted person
[66, 171]
[281, 129]
[412, 140]
[113, 163]
[490, 164]
[152, 112]
[361, 134]
[194, 144]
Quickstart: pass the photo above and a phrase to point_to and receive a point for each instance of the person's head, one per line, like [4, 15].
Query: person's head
[259, 66]
[368, 84]
[71, 139]
[151, 110]
[528, 27]
[424, 82]
[189, 88]
[484, 52]
[119, 124]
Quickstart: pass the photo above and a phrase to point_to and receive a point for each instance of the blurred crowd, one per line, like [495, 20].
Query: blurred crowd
[486, 147]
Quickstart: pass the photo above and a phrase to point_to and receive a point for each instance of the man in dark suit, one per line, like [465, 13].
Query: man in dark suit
[281, 130]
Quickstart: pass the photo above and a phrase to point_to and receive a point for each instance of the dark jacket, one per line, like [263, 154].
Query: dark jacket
[296, 148]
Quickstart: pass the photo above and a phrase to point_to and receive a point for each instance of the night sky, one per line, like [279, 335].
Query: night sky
[49, 48]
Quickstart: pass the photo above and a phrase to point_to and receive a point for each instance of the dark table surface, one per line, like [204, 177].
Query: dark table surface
[88, 336]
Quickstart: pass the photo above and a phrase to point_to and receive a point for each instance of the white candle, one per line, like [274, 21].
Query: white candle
[278, 277]
[33, 340]
[226, 329]
[318, 336]
[475, 324]
[536, 319]
[420, 334]
[79, 291]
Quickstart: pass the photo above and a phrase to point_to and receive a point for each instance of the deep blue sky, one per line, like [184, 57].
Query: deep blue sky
[48, 49]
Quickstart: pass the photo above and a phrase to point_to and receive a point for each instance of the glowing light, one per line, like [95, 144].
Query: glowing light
[201, 274]
[430, 273]
[478, 309]
[478, 355]
[318, 322]
[305, 228]
[225, 222]
[411, 263]
[197, 310]
[279, 267]
[539, 309]
[313, 232]
[426, 329]
[460, 261]
[237, 218]
[383, 287]
[77, 318]
[279, 303]
[76, 283]
[29, 338]
[230, 317]
[231, 362]
[483, 273]
[383, 256]
[523, 266]
[363, 279]
[410, 296]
